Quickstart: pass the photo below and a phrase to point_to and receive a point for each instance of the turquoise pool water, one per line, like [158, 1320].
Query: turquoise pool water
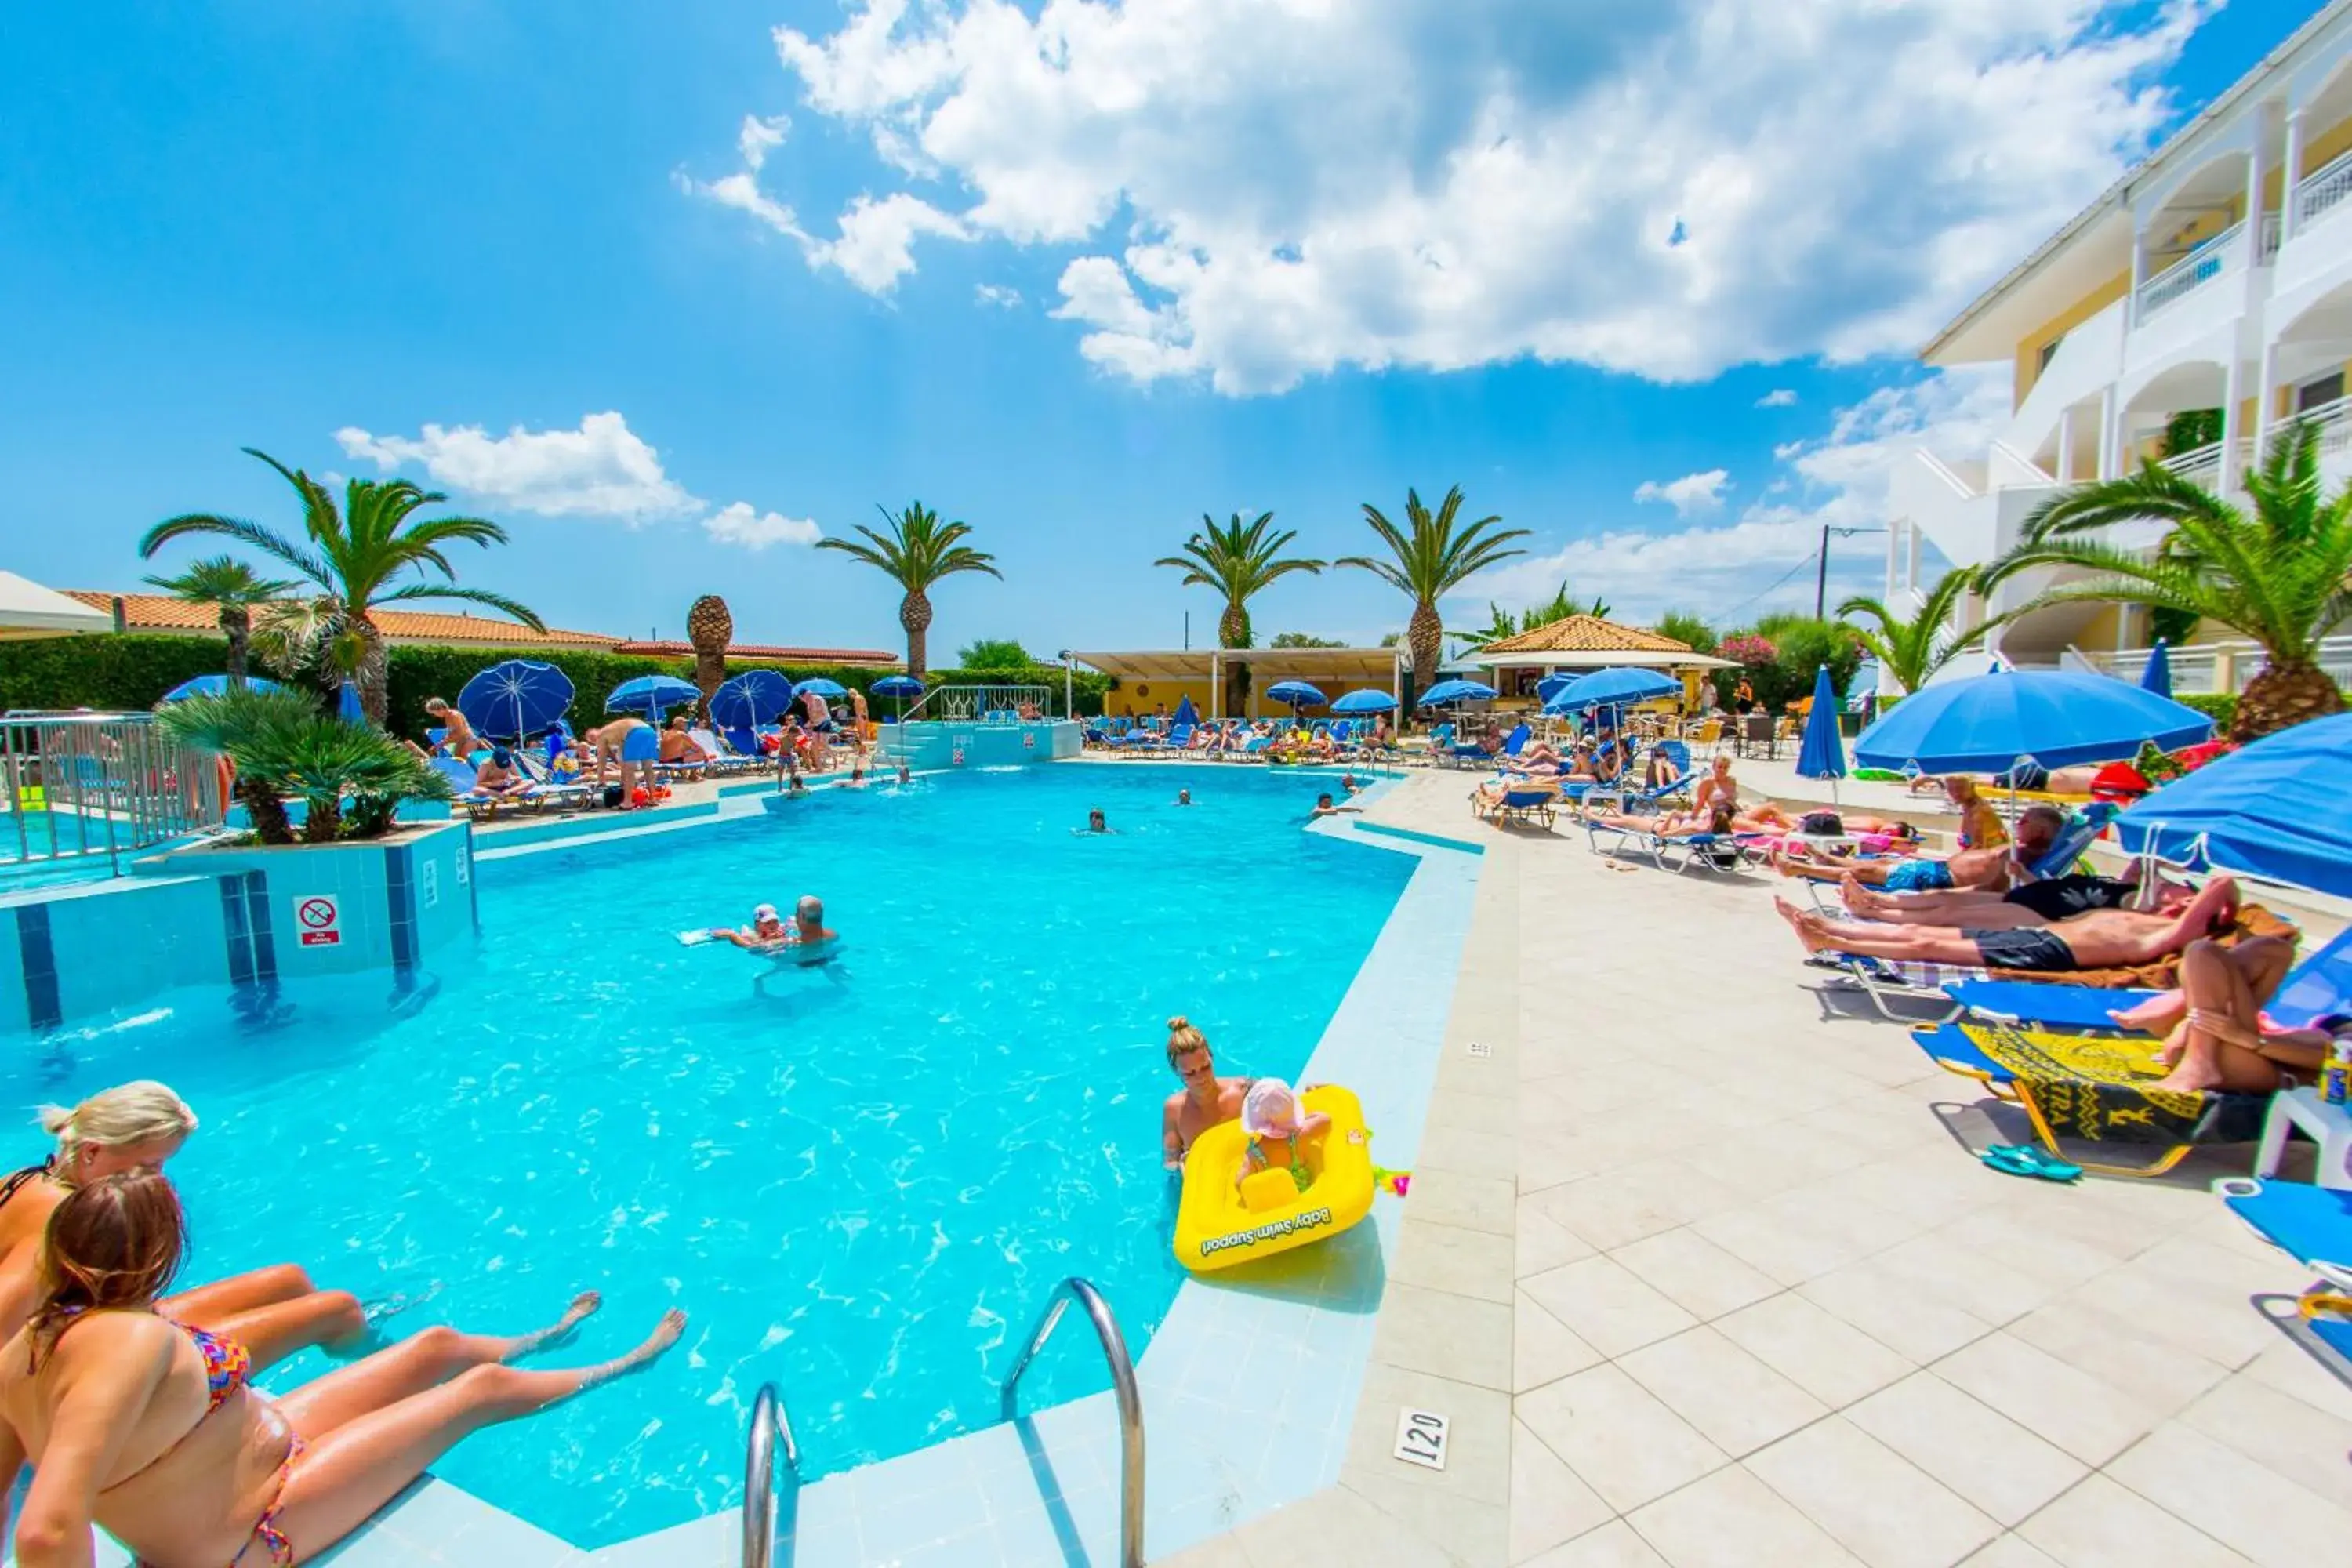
[860, 1182]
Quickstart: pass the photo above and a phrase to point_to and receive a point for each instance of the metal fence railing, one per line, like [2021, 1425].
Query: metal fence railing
[966, 704]
[2218, 667]
[89, 785]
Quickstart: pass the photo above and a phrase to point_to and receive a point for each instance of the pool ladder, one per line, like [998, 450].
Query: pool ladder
[1122, 1383]
[771, 1423]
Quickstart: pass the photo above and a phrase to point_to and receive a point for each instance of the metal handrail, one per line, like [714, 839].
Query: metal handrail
[1122, 1383]
[769, 1421]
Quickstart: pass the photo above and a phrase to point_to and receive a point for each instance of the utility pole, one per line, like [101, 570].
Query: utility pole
[1821, 568]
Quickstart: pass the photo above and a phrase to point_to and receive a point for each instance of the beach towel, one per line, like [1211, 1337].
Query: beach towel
[2096, 1087]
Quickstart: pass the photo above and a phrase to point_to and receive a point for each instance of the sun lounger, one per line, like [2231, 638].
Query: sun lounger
[2311, 1225]
[478, 802]
[1719, 852]
[550, 792]
[2320, 983]
[2093, 1089]
[1531, 802]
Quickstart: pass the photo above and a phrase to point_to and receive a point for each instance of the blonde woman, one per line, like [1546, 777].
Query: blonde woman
[274, 1311]
[149, 1428]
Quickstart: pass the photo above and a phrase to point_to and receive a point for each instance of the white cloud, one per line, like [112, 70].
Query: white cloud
[1778, 398]
[601, 470]
[1692, 492]
[996, 294]
[1763, 559]
[757, 136]
[740, 525]
[1261, 190]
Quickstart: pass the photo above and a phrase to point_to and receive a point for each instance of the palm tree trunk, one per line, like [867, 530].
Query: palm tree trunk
[1426, 636]
[2287, 692]
[374, 673]
[236, 624]
[268, 811]
[915, 615]
[322, 819]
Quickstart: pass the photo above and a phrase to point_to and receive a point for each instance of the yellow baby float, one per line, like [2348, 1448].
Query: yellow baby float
[1219, 1224]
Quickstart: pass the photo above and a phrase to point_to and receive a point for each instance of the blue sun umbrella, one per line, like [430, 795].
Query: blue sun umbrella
[2053, 717]
[2275, 808]
[348, 706]
[1297, 694]
[901, 687]
[1613, 688]
[1447, 692]
[1551, 686]
[515, 700]
[818, 685]
[2158, 676]
[1823, 754]
[1369, 700]
[212, 686]
[649, 694]
[749, 700]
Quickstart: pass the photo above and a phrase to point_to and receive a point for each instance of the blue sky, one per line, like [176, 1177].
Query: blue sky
[1076, 277]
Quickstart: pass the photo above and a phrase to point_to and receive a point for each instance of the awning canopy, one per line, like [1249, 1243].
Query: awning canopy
[1334, 669]
[1321, 666]
[29, 610]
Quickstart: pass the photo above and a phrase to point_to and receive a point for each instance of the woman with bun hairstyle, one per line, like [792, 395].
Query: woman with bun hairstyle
[273, 1311]
[1203, 1102]
[150, 1428]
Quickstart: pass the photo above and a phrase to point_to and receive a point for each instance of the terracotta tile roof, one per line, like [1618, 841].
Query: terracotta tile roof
[668, 648]
[162, 612]
[1586, 634]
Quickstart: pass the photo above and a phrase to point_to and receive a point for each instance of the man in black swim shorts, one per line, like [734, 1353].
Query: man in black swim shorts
[2022, 947]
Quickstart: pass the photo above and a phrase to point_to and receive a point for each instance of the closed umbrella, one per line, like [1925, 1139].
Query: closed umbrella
[749, 700]
[1823, 754]
[212, 686]
[1186, 714]
[650, 694]
[2158, 676]
[2053, 717]
[2275, 808]
[515, 700]
[348, 706]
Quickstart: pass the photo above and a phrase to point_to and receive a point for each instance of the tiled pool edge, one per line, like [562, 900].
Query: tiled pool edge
[1045, 1490]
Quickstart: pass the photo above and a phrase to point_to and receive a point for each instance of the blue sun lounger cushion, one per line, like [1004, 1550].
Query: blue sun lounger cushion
[2313, 1225]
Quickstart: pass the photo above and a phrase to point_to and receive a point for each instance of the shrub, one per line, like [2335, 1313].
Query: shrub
[2219, 706]
[283, 746]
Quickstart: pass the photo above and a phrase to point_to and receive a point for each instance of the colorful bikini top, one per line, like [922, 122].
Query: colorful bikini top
[228, 1365]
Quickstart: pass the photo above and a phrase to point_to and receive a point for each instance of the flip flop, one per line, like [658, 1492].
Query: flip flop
[2025, 1160]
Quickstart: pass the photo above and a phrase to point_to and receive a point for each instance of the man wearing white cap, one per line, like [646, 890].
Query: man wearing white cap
[766, 930]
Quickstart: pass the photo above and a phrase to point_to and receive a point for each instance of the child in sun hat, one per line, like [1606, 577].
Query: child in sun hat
[1280, 1131]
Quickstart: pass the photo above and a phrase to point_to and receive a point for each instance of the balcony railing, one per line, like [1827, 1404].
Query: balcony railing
[2204, 666]
[2203, 465]
[2191, 272]
[2321, 191]
[2270, 236]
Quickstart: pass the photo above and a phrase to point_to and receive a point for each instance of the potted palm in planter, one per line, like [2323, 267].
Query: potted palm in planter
[351, 778]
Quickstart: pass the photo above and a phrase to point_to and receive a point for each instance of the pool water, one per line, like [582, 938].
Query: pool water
[860, 1182]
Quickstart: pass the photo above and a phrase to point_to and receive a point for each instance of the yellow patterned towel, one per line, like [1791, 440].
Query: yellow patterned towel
[2097, 1088]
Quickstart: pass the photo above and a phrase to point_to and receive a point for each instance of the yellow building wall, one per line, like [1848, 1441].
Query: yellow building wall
[2030, 347]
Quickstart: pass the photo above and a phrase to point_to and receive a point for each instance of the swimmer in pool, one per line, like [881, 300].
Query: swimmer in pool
[1096, 822]
[1183, 798]
[766, 932]
[1323, 806]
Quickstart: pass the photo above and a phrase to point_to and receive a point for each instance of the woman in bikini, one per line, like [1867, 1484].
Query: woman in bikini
[274, 1311]
[149, 1429]
[2216, 1035]
[1716, 818]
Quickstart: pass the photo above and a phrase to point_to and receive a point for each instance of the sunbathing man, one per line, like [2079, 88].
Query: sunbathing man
[498, 778]
[1990, 868]
[2041, 902]
[2216, 1035]
[677, 746]
[2029, 776]
[1206, 1101]
[2102, 939]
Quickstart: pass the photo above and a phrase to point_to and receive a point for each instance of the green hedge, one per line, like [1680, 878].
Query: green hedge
[132, 671]
[2219, 706]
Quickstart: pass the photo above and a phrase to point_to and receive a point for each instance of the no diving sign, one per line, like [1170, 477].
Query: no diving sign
[319, 920]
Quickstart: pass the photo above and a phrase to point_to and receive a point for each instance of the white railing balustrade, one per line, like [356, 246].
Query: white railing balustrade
[2192, 271]
[2198, 666]
[2321, 191]
[83, 785]
[968, 704]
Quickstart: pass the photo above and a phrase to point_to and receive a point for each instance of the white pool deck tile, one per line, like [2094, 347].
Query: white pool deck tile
[1726, 1284]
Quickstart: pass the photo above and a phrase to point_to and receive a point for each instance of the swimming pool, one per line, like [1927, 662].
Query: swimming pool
[859, 1182]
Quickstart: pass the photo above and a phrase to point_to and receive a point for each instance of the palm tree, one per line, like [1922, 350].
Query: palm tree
[1913, 650]
[1430, 563]
[2277, 577]
[234, 590]
[1501, 624]
[352, 555]
[349, 777]
[712, 629]
[1238, 559]
[917, 552]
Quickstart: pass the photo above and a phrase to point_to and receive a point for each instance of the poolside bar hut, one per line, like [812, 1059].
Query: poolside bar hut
[1150, 678]
[1580, 643]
